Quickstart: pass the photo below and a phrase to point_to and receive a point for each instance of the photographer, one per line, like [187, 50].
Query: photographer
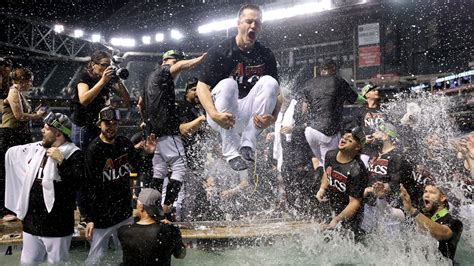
[91, 95]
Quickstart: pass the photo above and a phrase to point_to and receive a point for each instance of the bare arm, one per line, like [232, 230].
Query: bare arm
[438, 231]
[350, 210]
[122, 91]
[191, 127]
[186, 64]
[204, 94]
[13, 99]
[86, 94]
[277, 106]
[224, 120]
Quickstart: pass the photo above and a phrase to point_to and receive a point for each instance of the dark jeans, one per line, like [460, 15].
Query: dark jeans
[9, 137]
[82, 137]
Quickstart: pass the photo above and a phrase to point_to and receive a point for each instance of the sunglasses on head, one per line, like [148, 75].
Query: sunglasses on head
[107, 115]
[52, 120]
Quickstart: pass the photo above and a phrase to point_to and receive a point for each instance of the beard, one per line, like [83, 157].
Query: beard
[47, 143]
[109, 135]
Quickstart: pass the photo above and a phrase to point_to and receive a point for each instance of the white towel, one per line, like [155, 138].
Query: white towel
[22, 164]
[284, 119]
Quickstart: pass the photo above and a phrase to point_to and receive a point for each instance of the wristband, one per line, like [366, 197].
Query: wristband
[415, 213]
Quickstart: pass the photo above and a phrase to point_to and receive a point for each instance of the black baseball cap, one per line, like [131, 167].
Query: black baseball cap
[357, 133]
[191, 83]
[59, 121]
[108, 114]
[151, 200]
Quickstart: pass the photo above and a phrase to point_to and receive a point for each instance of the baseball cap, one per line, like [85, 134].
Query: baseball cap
[60, 122]
[178, 55]
[191, 82]
[388, 129]
[358, 134]
[151, 200]
[107, 114]
[367, 88]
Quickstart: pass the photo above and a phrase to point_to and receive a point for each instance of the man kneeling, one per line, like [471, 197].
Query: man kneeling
[151, 240]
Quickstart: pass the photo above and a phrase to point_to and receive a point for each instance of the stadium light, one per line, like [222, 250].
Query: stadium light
[78, 33]
[272, 15]
[126, 42]
[58, 28]
[95, 37]
[146, 39]
[175, 34]
[159, 37]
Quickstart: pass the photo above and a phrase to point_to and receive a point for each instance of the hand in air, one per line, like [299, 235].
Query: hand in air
[406, 199]
[150, 144]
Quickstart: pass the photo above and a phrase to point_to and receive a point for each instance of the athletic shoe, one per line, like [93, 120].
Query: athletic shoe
[9, 218]
[238, 164]
[247, 153]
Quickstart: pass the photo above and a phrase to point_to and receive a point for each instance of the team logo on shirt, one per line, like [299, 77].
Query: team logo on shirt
[337, 181]
[249, 74]
[378, 167]
[373, 120]
[115, 169]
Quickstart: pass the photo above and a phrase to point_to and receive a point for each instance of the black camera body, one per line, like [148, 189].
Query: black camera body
[119, 72]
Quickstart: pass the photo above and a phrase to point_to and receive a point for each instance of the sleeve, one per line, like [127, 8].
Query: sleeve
[456, 226]
[358, 182]
[90, 184]
[272, 66]
[177, 245]
[216, 67]
[72, 170]
[350, 94]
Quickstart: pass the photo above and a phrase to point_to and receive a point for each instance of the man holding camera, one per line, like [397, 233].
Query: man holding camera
[161, 118]
[41, 180]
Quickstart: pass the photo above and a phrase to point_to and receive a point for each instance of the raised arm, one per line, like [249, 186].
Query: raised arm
[186, 64]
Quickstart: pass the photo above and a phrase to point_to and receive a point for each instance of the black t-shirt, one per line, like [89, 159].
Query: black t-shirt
[371, 119]
[60, 221]
[391, 168]
[160, 109]
[108, 189]
[325, 96]
[226, 60]
[448, 247]
[151, 244]
[86, 115]
[348, 179]
[193, 143]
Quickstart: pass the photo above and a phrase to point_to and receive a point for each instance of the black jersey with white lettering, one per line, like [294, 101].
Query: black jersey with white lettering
[345, 180]
[226, 60]
[371, 119]
[108, 188]
[391, 168]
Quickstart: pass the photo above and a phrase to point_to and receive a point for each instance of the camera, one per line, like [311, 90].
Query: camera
[119, 72]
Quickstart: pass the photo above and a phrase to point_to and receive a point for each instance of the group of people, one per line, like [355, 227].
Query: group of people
[356, 171]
